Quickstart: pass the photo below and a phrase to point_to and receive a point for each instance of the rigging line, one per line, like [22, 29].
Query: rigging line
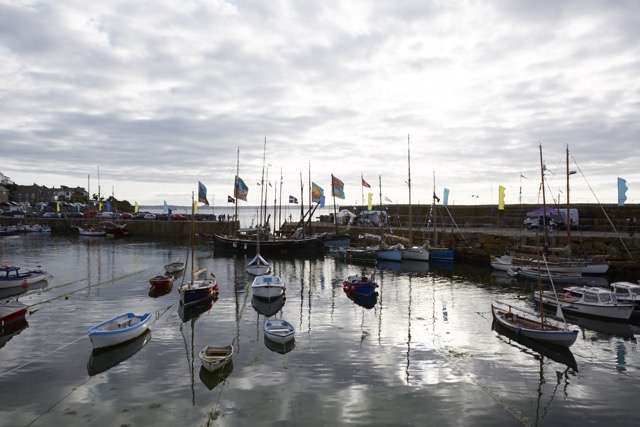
[59, 401]
[83, 288]
[44, 355]
[603, 210]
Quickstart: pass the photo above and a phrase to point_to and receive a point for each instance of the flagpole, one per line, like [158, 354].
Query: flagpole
[302, 203]
[381, 208]
[362, 188]
[335, 213]
[235, 192]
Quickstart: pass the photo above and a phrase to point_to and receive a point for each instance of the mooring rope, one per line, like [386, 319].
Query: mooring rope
[44, 355]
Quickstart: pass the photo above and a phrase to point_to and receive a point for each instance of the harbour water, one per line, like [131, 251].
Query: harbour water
[421, 352]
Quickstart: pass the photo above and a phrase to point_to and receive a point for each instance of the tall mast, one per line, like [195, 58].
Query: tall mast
[544, 204]
[264, 157]
[235, 190]
[435, 228]
[567, 218]
[409, 183]
[280, 204]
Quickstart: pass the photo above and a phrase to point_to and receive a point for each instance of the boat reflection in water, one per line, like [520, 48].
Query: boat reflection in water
[158, 291]
[556, 353]
[212, 379]
[11, 329]
[106, 358]
[190, 312]
[267, 308]
[364, 299]
[279, 347]
[412, 266]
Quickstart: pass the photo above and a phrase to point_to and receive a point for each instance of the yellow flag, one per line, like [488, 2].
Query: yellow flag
[135, 209]
[100, 206]
[501, 190]
[370, 199]
[57, 207]
[195, 207]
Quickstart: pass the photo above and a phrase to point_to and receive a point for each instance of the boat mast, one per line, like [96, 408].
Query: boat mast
[544, 250]
[280, 203]
[409, 184]
[544, 207]
[264, 156]
[567, 219]
[192, 237]
[381, 206]
[235, 190]
[435, 229]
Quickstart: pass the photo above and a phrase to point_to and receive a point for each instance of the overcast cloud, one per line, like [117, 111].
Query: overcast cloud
[162, 94]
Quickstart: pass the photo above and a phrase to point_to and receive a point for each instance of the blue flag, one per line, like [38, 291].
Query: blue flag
[622, 191]
[445, 197]
[165, 209]
[202, 193]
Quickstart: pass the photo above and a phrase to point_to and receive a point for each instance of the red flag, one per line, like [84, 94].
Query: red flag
[365, 183]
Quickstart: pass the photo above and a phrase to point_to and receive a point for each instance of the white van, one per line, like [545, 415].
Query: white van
[533, 222]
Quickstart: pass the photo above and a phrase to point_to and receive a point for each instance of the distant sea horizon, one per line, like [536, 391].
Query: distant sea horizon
[248, 215]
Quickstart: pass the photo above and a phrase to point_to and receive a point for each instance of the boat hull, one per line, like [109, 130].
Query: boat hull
[118, 330]
[9, 280]
[294, 247]
[268, 287]
[197, 291]
[103, 359]
[213, 358]
[279, 331]
[12, 311]
[445, 254]
[616, 312]
[522, 326]
[415, 254]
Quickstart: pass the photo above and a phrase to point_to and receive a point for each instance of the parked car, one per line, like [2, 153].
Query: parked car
[51, 215]
[126, 216]
[534, 222]
[178, 217]
[74, 215]
[150, 216]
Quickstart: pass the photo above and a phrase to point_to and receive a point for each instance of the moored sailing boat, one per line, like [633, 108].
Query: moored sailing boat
[196, 290]
[539, 329]
[412, 253]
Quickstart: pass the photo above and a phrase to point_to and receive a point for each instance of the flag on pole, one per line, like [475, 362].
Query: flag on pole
[165, 208]
[337, 187]
[317, 194]
[108, 206]
[501, 191]
[445, 197]
[202, 194]
[230, 199]
[388, 199]
[100, 206]
[622, 191]
[365, 183]
[241, 191]
[57, 206]
[195, 206]
[370, 201]
[293, 200]
[135, 209]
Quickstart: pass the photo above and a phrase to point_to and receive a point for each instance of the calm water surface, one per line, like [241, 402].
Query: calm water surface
[423, 352]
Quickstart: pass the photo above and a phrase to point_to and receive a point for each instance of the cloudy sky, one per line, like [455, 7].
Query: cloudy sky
[158, 95]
